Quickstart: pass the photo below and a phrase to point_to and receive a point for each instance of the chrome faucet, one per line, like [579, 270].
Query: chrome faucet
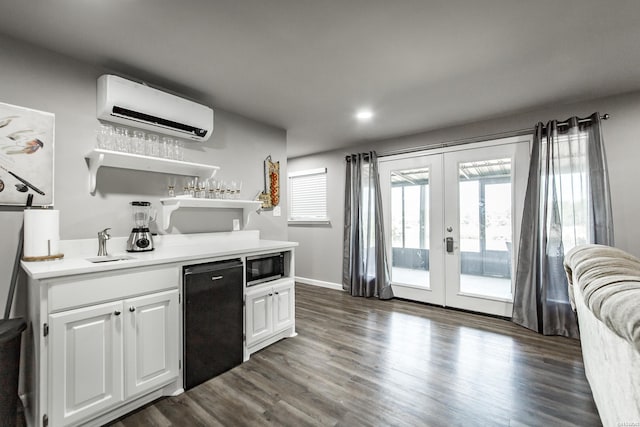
[103, 236]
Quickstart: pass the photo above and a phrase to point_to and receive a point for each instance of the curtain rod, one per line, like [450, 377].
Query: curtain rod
[453, 143]
[348, 156]
[586, 120]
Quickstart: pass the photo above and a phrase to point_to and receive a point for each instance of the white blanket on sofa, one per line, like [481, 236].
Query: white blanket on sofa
[604, 285]
[609, 280]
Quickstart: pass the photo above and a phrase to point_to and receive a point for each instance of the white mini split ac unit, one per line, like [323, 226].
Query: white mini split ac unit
[130, 103]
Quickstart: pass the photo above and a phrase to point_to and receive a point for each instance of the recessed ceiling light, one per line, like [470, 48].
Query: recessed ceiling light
[364, 115]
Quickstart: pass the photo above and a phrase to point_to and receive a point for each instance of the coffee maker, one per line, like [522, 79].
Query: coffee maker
[140, 239]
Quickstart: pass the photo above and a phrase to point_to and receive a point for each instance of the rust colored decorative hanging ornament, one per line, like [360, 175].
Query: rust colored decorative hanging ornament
[274, 176]
[270, 197]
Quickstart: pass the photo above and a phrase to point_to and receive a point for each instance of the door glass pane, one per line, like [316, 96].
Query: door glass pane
[412, 216]
[497, 208]
[485, 228]
[469, 216]
[410, 227]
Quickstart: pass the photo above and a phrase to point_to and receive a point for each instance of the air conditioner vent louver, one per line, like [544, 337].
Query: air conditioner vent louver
[168, 124]
[141, 106]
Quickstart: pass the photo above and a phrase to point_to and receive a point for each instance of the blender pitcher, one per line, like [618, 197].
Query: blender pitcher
[140, 239]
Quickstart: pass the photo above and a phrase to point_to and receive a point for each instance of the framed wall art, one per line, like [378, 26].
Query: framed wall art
[26, 155]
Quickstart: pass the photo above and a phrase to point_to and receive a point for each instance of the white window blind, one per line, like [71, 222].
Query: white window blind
[308, 196]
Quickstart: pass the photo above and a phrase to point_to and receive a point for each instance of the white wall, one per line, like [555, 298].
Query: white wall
[43, 80]
[320, 253]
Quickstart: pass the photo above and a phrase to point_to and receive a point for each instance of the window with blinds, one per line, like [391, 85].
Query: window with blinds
[308, 196]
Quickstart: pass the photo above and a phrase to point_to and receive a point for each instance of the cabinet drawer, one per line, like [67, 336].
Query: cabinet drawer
[107, 286]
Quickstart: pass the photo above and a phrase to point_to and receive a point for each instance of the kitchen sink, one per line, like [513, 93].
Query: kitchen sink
[109, 258]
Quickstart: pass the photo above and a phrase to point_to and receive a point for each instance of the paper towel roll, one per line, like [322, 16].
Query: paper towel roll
[41, 232]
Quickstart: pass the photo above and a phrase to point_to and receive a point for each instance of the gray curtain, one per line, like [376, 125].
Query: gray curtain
[365, 270]
[567, 203]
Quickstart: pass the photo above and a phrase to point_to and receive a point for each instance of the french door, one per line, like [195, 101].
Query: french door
[452, 223]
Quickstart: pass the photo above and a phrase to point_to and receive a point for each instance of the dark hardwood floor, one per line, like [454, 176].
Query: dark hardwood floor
[364, 362]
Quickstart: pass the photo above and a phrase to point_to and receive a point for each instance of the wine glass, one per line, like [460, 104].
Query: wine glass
[204, 188]
[212, 189]
[194, 190]
[220, 189]
[171, 186]
[185, 188]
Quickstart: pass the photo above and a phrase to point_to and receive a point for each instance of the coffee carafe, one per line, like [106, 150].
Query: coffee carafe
[140, 239]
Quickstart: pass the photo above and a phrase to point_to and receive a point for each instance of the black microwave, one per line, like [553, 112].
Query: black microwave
[263, 268]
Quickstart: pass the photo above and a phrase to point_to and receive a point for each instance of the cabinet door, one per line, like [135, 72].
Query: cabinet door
[151, 341]
[283, 306]
[259, 315]
[85, 371]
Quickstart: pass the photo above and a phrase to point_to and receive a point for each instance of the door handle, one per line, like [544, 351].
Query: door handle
[449, 241]
[216, 278]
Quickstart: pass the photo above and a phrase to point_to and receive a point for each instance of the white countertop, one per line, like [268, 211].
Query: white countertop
[183, 248]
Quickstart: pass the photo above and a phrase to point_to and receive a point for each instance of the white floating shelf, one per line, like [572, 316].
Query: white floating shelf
[114, 159]
[172, 204]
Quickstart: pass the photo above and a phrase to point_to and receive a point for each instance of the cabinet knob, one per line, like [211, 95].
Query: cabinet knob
[117, 313]
[132, 309]
[277, 293]
[270, 295]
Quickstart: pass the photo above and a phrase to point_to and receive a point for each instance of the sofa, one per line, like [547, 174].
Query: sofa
[604, 290]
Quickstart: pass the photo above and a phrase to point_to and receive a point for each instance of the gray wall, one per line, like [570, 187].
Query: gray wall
[320, 253]
[43, 80]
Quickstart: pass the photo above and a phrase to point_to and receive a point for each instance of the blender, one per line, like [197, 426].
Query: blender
[140, 239]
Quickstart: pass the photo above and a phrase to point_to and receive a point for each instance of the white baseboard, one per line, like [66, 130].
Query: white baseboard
[322, 284]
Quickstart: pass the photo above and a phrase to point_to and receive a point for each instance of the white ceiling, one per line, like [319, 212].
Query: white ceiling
[308, 65]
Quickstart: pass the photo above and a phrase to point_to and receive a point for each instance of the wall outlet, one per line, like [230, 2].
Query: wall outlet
[277, 211]
[236, 225]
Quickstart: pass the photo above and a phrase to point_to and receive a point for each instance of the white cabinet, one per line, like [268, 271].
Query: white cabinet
[86, 361]
[151, 341]
[283, 306]
[101, 344]
[270, 310]
[259, 315]
[97, 350]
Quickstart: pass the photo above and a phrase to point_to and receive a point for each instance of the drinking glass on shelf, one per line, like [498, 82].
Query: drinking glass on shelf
[122, 139]
[238, 189]
[171, 186]
[219, 189]
[185, 191]
[138, 142]
[211, 193]
[228, 192]
[178, 150]
[232, 190]
[193, 188]
[104, 137]
[152, 148]
[166, 147]
[203, 189]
